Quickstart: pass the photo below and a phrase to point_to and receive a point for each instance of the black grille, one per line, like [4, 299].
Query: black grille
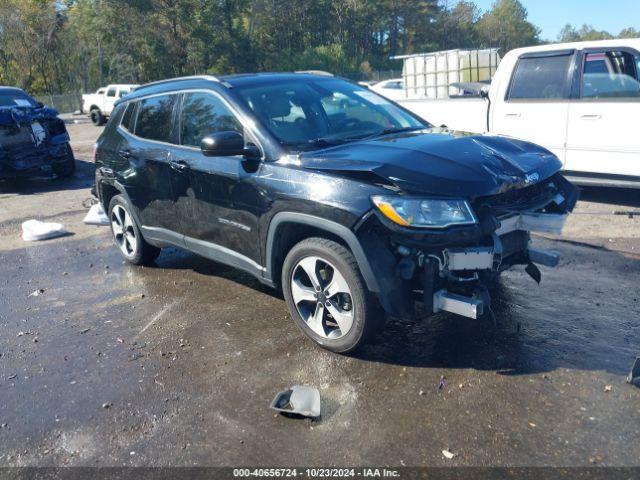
[527, 198]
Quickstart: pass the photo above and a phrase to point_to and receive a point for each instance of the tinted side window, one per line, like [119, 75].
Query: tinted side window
[111, 92]
[127, 118]
[154, 117]
[540, 78]
[610, 75]
[203, 114]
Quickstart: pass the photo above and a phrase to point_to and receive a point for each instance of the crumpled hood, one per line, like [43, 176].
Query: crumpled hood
[440, 162]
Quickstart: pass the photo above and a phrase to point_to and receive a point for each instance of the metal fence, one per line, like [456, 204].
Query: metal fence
[65, 103]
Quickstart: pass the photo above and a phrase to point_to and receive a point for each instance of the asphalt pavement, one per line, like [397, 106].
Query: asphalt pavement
[107, 364]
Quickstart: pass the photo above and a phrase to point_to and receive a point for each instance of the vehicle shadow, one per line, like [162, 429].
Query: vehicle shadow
[178, 259]
[524, 340]
[615, 196]
[82, 178]
[567, 324]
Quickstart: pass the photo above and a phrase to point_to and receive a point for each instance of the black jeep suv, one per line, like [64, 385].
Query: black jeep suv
[345, 200]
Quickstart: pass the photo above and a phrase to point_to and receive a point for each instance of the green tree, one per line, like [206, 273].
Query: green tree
[571, 34]
[629, 33]
[586, 32]
[457, 25]
[506, 26]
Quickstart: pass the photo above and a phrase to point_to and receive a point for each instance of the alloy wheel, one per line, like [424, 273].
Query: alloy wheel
[123, 230]
[322, 297]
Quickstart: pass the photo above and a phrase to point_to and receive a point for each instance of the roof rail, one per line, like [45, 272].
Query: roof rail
[315, 72]
[177, 79]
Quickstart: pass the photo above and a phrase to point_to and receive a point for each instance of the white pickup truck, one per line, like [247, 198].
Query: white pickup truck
[100, 104]
[579, 100]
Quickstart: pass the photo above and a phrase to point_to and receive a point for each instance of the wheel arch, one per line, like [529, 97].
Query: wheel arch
[280, 239]
[107, 190]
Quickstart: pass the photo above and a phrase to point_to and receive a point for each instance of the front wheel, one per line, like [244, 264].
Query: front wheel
[126, 234]
[327, 296]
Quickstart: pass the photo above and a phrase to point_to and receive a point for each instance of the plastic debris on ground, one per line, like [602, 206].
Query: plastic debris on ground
[634, 375]
[298, 400]
[96, 216]
[34, 230]
[448, 454]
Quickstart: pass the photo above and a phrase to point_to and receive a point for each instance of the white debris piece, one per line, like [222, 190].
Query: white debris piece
[448, 454]
[96, 216]
[33, 230]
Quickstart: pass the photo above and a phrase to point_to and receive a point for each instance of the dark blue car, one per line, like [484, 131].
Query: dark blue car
[33, 140]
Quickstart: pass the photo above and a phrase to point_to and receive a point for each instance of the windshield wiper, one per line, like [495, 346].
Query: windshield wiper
[327, 141]
[388, 131]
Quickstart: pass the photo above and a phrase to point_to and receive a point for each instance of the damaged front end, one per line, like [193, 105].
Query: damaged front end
[33, 141]
[448, 269]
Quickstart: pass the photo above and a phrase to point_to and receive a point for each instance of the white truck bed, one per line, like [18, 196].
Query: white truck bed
[464, 114]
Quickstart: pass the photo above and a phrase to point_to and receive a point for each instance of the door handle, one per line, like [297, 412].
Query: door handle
[126, 154]
[179, 165]
[512, 115]
[594, 116]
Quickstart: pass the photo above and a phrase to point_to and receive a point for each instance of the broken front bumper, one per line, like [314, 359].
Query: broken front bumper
[479, 260]
[449, 270]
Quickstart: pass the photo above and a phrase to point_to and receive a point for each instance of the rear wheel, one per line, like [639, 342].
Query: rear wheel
[327, 296]
[97, 117]
[126, 234]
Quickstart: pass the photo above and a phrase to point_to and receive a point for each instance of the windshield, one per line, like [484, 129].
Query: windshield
[314, 113]
[15, 100]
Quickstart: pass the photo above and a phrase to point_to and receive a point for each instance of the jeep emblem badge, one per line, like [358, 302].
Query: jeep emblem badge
[531, 177]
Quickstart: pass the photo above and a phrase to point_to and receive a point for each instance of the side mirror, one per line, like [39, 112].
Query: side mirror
[223, 144]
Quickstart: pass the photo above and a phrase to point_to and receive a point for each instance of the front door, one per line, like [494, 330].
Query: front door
[603, 122]
[536, 105]
[222, 197]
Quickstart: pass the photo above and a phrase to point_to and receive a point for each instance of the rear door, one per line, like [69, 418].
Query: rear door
[603, 121]
[222, 198]
[150, 173]
[536, 104]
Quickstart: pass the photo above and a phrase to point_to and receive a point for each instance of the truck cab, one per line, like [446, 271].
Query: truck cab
[99, 105]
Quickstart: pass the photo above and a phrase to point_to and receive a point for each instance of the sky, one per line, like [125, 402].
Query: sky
[552, 15]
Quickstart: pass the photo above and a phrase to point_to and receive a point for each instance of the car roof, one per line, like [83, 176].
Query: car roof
[620, 43]
[4, 89]
[228, 81]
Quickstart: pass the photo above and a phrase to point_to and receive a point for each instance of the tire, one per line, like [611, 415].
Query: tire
[346, 296]
[68, 167]
[97, 118]
[126, 234]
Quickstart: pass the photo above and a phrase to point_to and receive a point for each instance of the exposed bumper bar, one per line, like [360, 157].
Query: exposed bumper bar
[533, 222]
[547, 258]
[458, 304]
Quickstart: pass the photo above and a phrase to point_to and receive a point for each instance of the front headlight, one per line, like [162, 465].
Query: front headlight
[424, 212]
